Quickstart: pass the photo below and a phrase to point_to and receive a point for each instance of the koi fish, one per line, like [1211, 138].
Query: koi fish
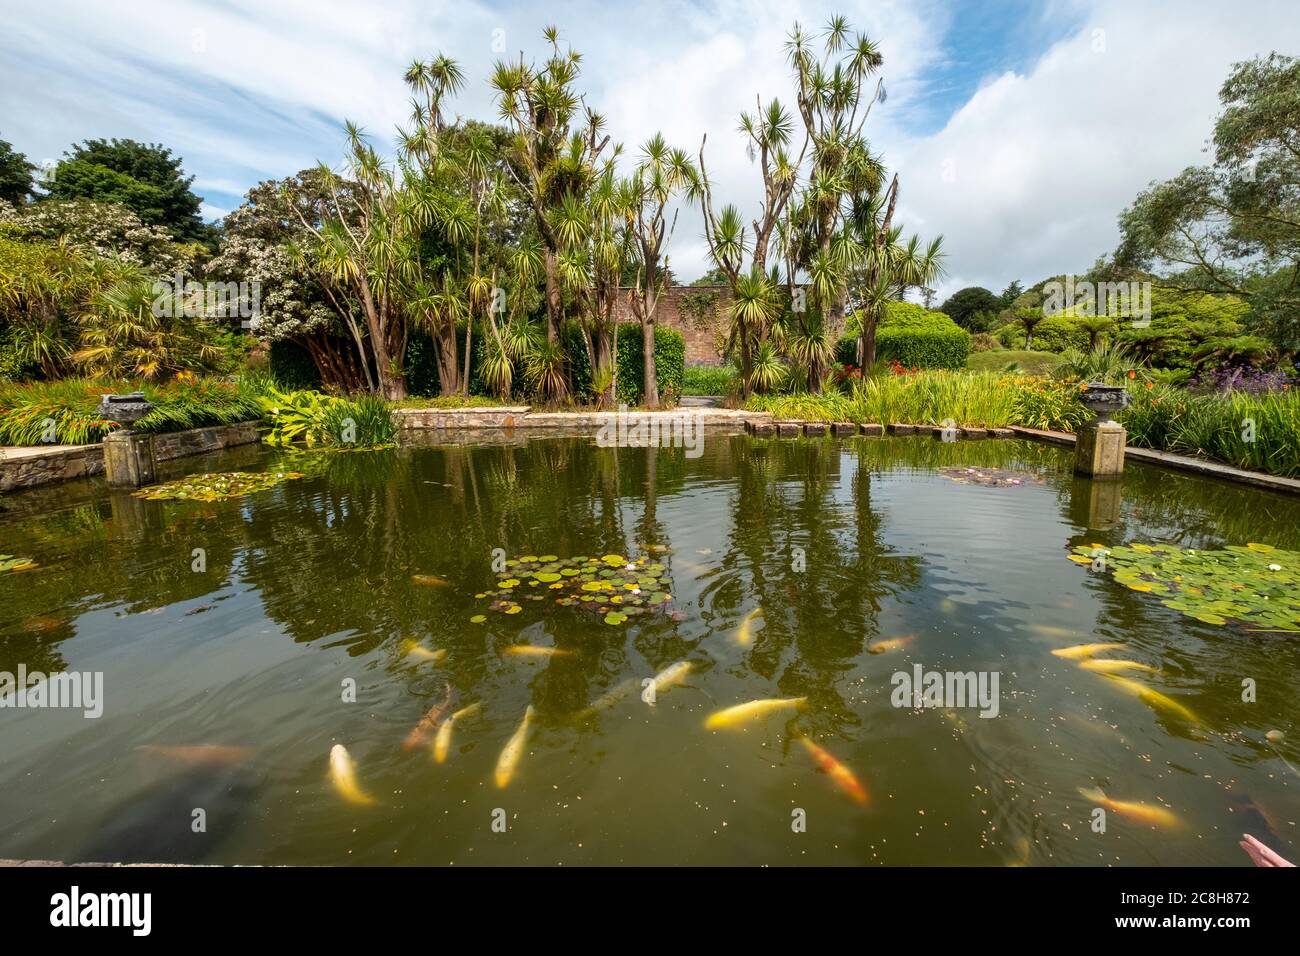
[741, 713]
[427, 723]
[514, 749]
[1080, 651]
[1147, 813]
[745, 635]
[1106, 666]
[414, 649]
[216, 755]
[343, 774]
[671, 676]
[893, 644]
[529, 650]
[842, 776]
[442, 742]
[428, 580]
[1153, 697]
[1048, 630]
[609, 698]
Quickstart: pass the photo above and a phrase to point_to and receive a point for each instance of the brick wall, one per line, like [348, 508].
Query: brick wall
[696, 311]
[699, 312]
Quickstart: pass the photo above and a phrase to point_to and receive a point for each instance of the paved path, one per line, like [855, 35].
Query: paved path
[701, 401]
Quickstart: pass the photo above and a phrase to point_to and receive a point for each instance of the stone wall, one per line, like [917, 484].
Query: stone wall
[699, 312]
[29, 467]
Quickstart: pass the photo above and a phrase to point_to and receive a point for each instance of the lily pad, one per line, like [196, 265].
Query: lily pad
[1256, 585]
[10, 563]
[215, 487]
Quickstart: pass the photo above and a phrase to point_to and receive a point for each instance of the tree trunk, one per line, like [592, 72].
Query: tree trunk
[604, 361]
[650, 383]
[448, 364]
[554, 301]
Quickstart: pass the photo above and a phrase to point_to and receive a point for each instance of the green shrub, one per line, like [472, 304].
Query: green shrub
[670, 364]
[292, 366]
[709, 380]
[913, 336]
[312, 418]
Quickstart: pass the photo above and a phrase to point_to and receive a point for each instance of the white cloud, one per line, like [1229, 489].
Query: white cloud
[1044, 162]
[1044, 159]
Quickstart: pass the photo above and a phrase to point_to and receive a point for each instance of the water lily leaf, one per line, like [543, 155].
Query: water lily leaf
[478, 619]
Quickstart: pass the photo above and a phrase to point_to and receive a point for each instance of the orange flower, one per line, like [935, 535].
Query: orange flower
[1150, 385]
[1132, 373]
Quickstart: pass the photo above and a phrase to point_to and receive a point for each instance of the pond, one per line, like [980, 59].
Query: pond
[241, 640]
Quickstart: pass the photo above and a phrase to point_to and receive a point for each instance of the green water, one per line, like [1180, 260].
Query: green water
[309, 587]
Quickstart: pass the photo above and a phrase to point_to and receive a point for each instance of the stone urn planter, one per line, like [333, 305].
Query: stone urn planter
[128, 457]
[125, 409]
[1099, 445]
[1104, 400]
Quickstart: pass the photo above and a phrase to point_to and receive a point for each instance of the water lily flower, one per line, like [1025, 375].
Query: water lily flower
[1275, 567]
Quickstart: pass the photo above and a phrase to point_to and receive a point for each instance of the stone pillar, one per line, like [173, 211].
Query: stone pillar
[128, 459]
[1096, 505]
[1099, 449]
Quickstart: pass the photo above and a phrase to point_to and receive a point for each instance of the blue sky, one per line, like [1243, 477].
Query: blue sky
[1020, 129]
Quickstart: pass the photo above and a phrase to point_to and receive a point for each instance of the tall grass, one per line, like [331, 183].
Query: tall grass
[28, 411]
[1256, 432]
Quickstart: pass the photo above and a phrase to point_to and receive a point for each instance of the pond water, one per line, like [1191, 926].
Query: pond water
[225, 689]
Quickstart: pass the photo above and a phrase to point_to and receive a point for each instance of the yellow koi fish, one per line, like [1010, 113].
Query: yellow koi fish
[514, 749]
[1080, 651]
[745, 634]
[893, 644]
[1150, 695]
[427, 723]
[742, 713]
[1147, 813]
[423, 653]
[529, 650]
[1047, 630]
[671, 676]
[344, 776]
[212, 755]
[841, 775]
[608, 699]
[1106, 666]
[442, 742]
[428, 580]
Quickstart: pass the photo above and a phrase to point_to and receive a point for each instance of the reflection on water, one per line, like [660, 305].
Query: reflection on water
[342, 608]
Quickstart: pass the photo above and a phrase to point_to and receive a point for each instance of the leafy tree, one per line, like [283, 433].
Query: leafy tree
[1234, 226]
[1029, 319]
[558, 142]
[264, 241]
[661, 174]
[102, 230]
[715, 276]
[1011, 293]
[145, 178]
[15, 175]
[962, 306]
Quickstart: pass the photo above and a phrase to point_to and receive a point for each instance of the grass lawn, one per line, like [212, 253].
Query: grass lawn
[1033, 363]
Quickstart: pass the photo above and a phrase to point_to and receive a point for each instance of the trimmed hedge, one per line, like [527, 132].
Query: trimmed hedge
[913, 336]
[670, 363]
